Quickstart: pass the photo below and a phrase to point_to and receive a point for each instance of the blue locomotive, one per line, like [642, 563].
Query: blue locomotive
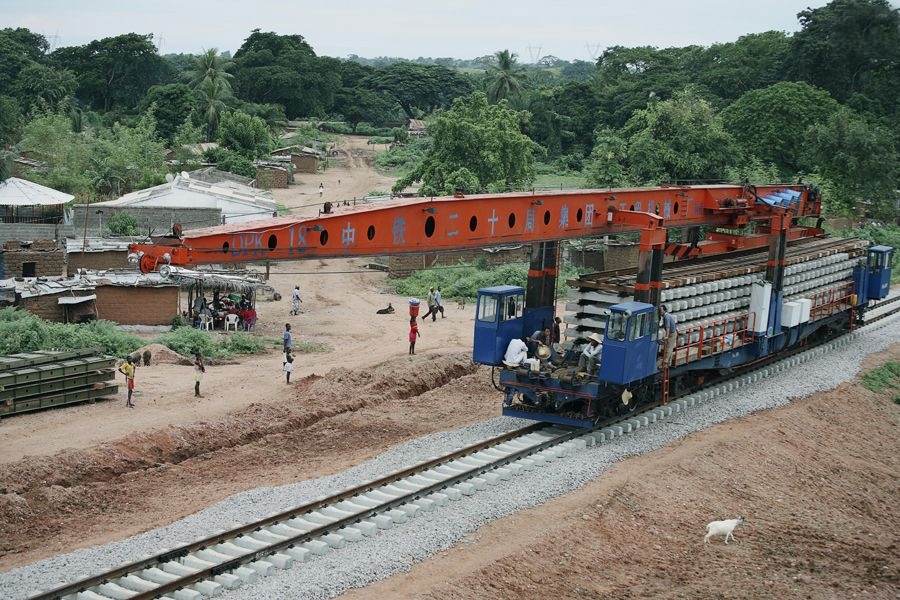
[724, 323]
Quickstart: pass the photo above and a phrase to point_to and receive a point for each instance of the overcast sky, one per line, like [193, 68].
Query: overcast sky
[567, 29]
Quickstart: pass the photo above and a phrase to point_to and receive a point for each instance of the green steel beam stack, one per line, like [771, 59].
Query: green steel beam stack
[48, 378]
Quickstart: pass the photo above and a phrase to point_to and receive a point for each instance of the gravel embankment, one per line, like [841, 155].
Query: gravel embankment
[397, 549]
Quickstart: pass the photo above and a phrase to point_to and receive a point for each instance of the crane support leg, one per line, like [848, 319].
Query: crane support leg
[540, 292]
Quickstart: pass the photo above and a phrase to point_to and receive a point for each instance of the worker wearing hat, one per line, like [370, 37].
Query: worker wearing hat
[590, 356]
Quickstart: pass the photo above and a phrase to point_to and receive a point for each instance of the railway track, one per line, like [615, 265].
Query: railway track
[229, 559]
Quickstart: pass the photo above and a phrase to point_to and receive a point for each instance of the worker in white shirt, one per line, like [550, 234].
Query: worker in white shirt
[516, 352]
[590, 356]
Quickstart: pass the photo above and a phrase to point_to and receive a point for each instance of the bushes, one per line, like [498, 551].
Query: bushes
[123, 223]
[187, 341]
[20, 331]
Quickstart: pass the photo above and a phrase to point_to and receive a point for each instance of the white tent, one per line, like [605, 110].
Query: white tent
[19, 192]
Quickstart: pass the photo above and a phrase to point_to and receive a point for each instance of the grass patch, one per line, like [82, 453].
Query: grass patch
[885, 378]
[402, 159]
[465, 280]
[559, 181]
[307, 347]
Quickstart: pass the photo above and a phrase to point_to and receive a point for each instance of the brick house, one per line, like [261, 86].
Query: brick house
[270, 175]
[40, 258]
[129, 298]
[302, 159]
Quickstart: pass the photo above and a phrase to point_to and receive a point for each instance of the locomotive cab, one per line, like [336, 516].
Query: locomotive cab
[629, 347]
[879, 266]
[499, 317]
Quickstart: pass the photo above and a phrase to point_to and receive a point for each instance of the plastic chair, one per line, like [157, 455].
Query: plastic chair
[231, 321]
[206, 322]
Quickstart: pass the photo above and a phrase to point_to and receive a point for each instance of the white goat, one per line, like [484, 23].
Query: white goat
[722, 527]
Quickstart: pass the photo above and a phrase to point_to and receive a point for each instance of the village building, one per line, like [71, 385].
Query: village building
[303, 159]
[30, 211]
[235, 202]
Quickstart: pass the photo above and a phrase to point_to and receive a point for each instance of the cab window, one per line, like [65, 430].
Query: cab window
[615, 326]
[487, 309]
[638, 326]
[512, 307]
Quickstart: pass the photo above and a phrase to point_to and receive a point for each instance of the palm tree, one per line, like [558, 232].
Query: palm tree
[211, 95]
[209, 66]
[504, 82]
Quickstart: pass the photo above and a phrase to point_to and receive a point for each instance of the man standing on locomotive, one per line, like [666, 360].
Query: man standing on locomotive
[670, 326]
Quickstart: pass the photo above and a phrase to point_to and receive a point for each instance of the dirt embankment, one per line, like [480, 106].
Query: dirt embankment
[818, 482]
[150, 478]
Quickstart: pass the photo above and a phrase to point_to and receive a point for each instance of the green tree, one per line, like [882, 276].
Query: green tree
[478, 145]
[504, 78]
[850, 47]
[10, 120]
[628, 78]
[359, 104]
[211, 96]
[65, 154]
[578, 70]
[113, 72]
[771, 123]
[284, 69]
[756, 60]
[124, 158]
[681, 140]
[228, 160]
[607, 162]
[39, 84]
[419, 88]
[19, 48]
[186, 138]
[170, 105]
[246, 135]
[861, 162]
[210, 66]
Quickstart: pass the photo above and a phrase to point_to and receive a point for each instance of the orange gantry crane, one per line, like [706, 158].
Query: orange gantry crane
[740, 216]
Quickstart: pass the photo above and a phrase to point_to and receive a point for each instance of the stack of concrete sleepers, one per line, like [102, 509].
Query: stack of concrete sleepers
[48, 378]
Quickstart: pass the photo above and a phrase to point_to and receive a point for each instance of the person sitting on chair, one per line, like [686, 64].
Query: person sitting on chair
[590, 356]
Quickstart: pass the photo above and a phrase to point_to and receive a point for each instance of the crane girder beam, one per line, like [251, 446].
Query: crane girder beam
[404, 226]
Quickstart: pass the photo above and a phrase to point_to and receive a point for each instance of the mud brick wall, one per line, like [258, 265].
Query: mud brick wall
[267, 179]
[99, 261]
[137, 305]
[304, 163]
[48, 307]
[49, 260]
[404, 265]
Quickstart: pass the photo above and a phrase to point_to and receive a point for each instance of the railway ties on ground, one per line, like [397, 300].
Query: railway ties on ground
[240, 557]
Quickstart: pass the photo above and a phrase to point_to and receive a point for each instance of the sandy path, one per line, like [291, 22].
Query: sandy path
[340, 298]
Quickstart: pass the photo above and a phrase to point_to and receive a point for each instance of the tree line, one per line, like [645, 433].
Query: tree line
[819, 103]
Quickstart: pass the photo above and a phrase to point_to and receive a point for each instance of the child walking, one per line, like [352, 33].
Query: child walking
[199, 370]
[288, 366]
[413, 334]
